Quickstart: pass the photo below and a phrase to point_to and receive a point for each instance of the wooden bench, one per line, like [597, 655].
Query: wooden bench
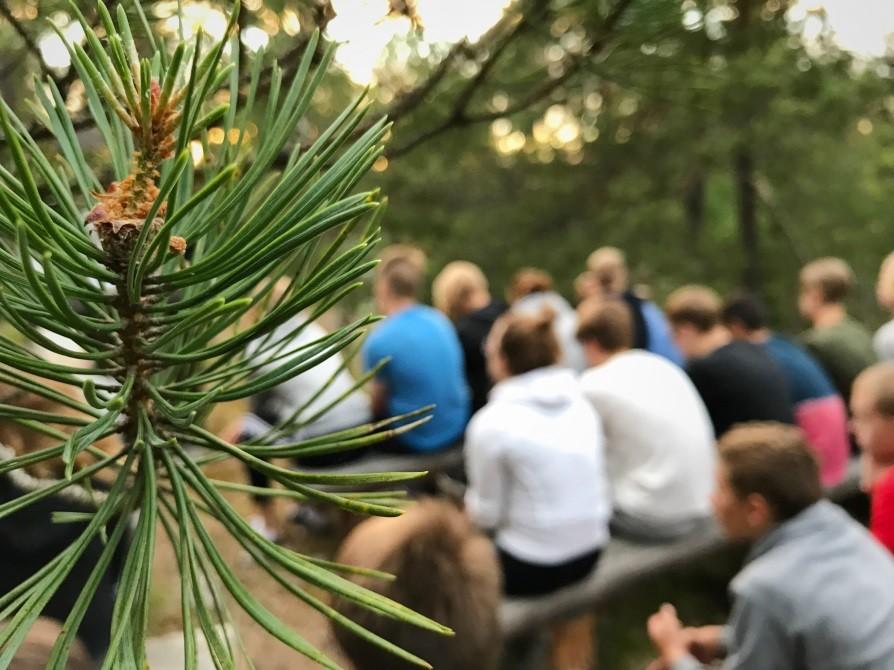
[625, 564]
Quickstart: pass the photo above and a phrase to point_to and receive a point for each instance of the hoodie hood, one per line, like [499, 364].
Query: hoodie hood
[545, 389]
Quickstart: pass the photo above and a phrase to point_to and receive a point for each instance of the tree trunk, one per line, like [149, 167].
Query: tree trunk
[747, 210]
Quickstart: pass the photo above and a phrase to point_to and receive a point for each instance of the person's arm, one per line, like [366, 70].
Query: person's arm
[684, 648]
[378, 399]
[373, 354]
[758, 637]
[487, 478]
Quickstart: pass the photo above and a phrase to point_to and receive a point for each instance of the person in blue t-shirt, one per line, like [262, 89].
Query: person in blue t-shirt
[424, 357]
[819, 410]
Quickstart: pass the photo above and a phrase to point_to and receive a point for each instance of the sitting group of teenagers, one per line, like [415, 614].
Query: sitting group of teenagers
[616, 418]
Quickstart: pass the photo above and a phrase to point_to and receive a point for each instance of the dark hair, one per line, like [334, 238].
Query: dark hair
[745, 309]
[444, 569]
[773, 461]
[609, 323]
[528, 342]
[527, 281]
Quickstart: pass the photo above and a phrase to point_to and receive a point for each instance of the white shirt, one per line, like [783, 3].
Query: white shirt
[659, 441]
[535, 467]
[884, 342]
[296, 392]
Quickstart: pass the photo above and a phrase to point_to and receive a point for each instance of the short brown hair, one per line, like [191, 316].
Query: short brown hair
[402, 269]
[773, 461]
[608, 323]
[880, 378]
[444, 569]
[527, 281]
[697, 306]
[528, 342]
[831, 276]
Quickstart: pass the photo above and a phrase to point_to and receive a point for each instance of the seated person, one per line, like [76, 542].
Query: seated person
[424, 357]
[608, 268]
[659, 442]
[819, 410]
[30, 538]
[315, 401]
[461, 291]
[444, 569]
[738, 381]
[534, 460]
[872, 405]
[816, 592]
[530, 291]
[839, 342]
[884, 291]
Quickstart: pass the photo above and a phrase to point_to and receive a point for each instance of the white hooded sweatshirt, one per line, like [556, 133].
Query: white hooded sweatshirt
[534, 458]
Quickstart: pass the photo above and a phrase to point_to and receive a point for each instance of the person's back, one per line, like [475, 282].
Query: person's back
[844, 350]
[739, 382]
[829, 589]
[425, 368]
[819, 409]
[541, 432]
[659, 441]
[473, 329]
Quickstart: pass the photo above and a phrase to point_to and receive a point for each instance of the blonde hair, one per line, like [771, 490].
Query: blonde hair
[698, 306]
[454, 285]
[609, 268]
[832, 277]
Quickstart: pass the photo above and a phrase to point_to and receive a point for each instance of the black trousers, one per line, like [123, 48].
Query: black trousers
[524, 579]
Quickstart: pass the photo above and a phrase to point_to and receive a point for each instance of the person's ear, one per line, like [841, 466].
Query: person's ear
[758, 511]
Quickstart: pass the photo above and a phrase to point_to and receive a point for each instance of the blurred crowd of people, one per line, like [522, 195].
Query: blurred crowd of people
[618, 418]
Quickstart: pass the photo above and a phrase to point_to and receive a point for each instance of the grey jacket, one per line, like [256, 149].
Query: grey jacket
[816, 593]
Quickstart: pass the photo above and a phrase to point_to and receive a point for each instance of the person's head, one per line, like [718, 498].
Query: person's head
[399, 276]
[444, 569]
[766, 475]
[693, 313]
[609, 268]
[823, 282]
[604, 328]
[872, 409]
[35, 652]
[884, 289]
[744, 315]
[528, 281]
[519, 343]
[460, 288]
[586, 286]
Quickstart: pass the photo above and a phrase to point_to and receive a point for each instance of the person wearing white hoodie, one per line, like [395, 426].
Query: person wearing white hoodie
[535, 464]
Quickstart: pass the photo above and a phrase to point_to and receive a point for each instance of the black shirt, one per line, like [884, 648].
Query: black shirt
[739, 382]
[473, 329]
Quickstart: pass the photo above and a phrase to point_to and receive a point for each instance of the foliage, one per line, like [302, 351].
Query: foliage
[164, 288]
